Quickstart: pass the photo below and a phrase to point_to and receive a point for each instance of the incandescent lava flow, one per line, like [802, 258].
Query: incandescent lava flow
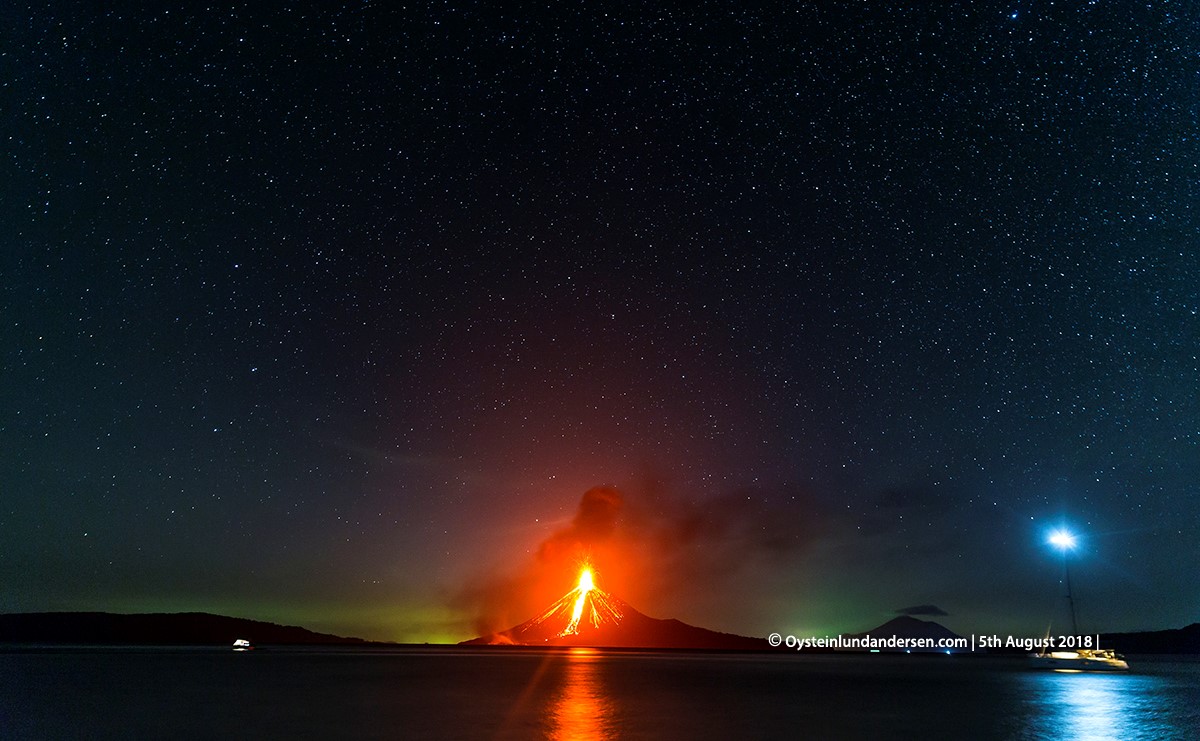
[586, 603]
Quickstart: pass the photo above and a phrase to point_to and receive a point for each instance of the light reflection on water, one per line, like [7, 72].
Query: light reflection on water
[582, 711]
[1075, 705]
[456, 693]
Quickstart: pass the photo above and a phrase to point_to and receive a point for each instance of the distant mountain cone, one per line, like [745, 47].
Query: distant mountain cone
[908, 627]
[589, 616]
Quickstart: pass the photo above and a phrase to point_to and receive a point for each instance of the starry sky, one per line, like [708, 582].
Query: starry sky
[330, 313]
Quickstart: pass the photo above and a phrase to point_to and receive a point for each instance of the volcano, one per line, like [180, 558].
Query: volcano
[589, 616]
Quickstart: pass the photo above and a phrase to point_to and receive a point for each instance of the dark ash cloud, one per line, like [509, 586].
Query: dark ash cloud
[650, 546]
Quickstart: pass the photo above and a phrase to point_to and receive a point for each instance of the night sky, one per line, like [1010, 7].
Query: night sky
[330, 314]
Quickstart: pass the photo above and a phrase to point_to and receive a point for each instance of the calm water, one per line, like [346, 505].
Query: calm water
[579, 694]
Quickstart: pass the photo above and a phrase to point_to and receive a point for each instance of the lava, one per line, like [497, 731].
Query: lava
[586, 585]
[584, 605]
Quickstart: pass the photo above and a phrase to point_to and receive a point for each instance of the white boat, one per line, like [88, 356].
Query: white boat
[1081, 660]
[242, 644]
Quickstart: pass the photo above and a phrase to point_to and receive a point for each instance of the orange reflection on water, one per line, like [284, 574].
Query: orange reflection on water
[582, 711]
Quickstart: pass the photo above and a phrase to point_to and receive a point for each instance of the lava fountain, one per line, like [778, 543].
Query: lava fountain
[586, 585]
[584, 605]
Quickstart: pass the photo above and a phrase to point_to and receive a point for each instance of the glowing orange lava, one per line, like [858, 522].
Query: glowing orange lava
[585, 586]
[584, 606]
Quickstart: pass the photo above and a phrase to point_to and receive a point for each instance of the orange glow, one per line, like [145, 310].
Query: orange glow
[586, 585]
[583, 710]
[584, 607]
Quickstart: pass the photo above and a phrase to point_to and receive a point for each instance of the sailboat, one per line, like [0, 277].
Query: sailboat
[1080, 659]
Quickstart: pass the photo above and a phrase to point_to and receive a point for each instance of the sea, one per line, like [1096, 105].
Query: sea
[481, 693]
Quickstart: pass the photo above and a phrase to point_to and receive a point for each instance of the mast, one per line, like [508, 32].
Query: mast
[1070, 598]
[1066, 543]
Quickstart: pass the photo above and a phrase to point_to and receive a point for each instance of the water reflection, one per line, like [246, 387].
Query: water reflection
[1073, 705]
[582, 711]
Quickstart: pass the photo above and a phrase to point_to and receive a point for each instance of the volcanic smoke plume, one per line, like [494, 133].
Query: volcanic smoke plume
[652, 550]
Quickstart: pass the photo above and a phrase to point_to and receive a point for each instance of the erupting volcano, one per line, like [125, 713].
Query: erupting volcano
[589, 616]
[586, 603]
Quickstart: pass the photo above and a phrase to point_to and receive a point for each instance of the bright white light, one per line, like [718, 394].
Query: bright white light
[1062, 539]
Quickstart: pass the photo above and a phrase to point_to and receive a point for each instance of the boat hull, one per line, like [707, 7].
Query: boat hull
[1080, 661]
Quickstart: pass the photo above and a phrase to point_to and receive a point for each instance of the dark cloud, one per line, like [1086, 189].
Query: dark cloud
[922, 610]
[503, 596]
[593, 525]
[652, 545]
